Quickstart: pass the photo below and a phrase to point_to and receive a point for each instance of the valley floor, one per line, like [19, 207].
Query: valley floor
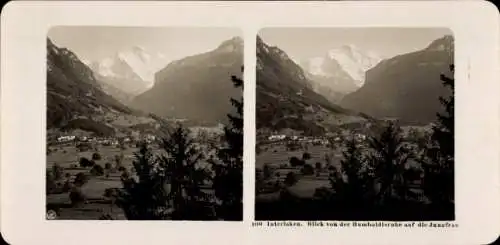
[305, 199]
[96, 205]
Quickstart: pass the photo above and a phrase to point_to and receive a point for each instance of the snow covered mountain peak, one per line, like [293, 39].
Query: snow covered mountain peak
[135, 62]
[349, 58]
[131, 70]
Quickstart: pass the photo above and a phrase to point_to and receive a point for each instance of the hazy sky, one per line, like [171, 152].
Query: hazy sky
[95, 43]
[301, 43]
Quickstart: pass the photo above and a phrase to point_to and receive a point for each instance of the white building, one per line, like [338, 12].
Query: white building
[276, 137]
[66, 138]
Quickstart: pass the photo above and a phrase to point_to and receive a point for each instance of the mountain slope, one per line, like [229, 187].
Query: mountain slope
[198, 87]
[285, 97]
[406, 86]
[75, 99]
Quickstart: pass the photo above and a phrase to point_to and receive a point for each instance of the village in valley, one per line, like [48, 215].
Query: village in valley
[315, 158]
[104, 162]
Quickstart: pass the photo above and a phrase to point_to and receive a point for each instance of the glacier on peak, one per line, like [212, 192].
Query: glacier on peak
[141, 62]
[354, 61]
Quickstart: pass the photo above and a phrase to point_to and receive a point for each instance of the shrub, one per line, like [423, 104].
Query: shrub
[119, 160]
[291, 179]
[110, 192]
[57, 172]
[109, 168]
[125, 175]
[318, 166]
[83, 147]
[294, 162]
[292, 146]
[96, 156]
[84, 162]
[307, 169]
[76, 196]
[81, 179]
[67, 186]
[306, 156]
[50, 184]
[97, 170]
[267, 171]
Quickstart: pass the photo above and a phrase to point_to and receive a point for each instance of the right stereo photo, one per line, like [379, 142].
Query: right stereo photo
[355, 124]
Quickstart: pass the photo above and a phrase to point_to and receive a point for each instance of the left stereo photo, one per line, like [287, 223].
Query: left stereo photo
[144, 123]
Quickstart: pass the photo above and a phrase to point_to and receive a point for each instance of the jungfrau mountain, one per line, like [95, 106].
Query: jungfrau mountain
[198, 87]
[340, 71]
[406, 86]
[128, 73]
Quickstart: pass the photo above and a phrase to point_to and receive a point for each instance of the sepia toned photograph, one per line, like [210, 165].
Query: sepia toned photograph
[355, 124]
[144, 123]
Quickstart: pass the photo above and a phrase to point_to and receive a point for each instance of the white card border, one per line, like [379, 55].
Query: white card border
[475, 25]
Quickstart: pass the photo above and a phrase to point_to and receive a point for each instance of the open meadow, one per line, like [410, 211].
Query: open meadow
[68, 157]
[97, 205]
[297, 180]
[277, 157]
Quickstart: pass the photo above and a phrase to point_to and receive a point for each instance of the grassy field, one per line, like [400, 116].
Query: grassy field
[277, 155]
[68, 156]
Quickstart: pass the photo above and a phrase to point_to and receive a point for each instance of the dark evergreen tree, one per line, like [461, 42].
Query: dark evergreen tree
[388, 160]
[184, 175]
[144, 197]
[228, 180]
[356, 186]
[439, 158]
